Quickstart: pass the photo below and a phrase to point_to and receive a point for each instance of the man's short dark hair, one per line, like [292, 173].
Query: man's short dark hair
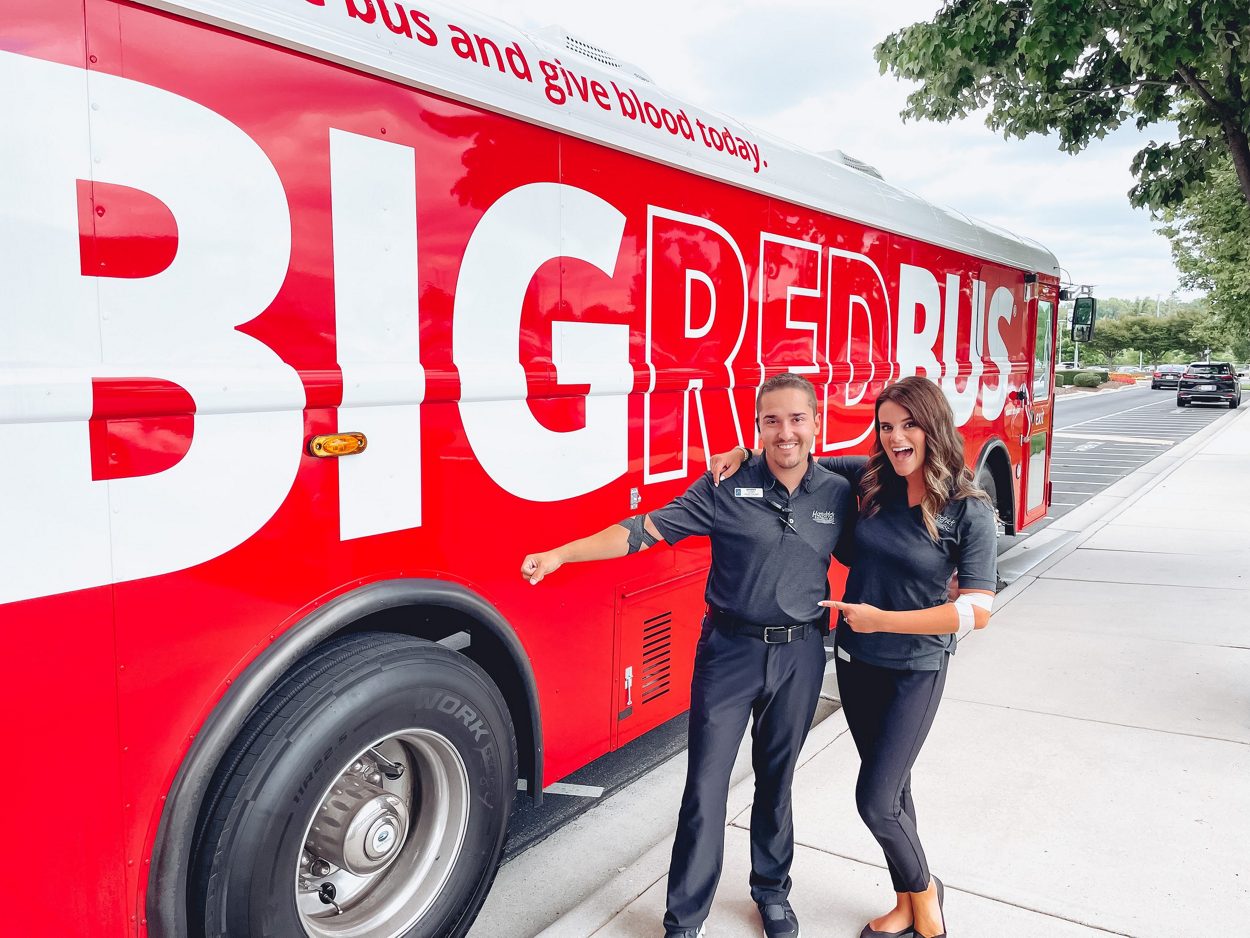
[783, 381]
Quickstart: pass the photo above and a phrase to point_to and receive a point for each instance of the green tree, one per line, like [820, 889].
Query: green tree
[1180, 333]
[1114, 307]
[1202, 333]
[1082, 68]
[1210, 235]
[1109, 339]
[1186, 335]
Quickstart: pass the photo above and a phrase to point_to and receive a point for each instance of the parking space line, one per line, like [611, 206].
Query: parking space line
[1131, 464]
[1129, 411]
[1111, 438]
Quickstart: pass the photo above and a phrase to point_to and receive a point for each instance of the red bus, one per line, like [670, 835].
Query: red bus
[317, 314]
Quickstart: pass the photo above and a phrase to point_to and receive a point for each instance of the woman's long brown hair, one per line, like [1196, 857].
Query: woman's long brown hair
[946, 476]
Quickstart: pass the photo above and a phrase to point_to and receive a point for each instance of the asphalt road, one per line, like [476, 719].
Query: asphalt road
[1099, 438]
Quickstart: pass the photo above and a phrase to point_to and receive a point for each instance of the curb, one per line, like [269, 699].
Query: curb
[1086, 392]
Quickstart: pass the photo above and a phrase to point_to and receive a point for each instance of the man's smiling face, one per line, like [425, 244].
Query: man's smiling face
[787, 426]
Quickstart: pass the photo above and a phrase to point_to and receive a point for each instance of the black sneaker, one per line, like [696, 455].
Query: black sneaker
[686, 933]
[779, 920]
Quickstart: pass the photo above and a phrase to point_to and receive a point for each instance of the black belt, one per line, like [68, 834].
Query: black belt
[768, 634]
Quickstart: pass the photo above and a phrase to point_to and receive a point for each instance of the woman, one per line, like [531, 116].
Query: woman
[922, 519]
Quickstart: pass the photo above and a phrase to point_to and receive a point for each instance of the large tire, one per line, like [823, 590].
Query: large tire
[310, 752]
[985, 480]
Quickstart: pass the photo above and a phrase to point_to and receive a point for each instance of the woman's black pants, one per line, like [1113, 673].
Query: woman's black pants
[889, 712]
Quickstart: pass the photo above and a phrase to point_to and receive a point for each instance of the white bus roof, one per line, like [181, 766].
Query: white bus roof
[832, 183]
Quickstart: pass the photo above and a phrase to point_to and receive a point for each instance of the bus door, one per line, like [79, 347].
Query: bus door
[1037, 428]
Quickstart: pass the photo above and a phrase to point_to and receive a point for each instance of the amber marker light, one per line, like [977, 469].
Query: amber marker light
[337, 444]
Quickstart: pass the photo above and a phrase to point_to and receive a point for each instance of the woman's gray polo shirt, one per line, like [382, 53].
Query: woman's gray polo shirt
[896, 565]
[770, 548]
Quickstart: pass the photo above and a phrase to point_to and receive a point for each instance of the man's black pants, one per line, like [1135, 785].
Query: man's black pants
[736, 677]
[889, 713]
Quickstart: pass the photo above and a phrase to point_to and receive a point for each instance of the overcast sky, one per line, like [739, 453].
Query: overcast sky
[803, 70]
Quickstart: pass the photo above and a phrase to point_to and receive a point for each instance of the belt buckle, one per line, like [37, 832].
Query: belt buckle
[778, 628]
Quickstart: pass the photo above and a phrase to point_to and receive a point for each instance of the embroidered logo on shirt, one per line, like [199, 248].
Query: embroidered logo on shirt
[945, 523]
[748, 493]
[825, 517]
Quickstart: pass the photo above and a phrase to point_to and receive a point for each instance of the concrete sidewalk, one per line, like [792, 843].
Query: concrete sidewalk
[1089, 771]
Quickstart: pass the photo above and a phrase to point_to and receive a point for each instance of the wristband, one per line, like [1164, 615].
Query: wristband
[746, 453]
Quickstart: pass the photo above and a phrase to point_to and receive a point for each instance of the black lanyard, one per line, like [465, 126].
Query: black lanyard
[785, 514]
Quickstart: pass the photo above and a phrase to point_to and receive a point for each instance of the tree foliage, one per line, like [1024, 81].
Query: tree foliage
[1113, 307]
[1210, 235]
[1082, 68]
[1183, 336]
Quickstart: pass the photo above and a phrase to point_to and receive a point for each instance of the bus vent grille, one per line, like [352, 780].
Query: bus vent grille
[657, 651]
[561, 39]
[591, 51]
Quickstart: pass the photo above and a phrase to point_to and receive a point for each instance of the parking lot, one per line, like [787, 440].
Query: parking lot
[1102, 438]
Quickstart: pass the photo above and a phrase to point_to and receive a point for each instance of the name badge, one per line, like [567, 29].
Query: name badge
[748, 493]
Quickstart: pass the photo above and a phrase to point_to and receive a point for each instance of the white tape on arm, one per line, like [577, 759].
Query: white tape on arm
[965, 605]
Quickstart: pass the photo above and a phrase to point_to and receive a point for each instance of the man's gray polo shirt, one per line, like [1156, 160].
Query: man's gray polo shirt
[770, 548]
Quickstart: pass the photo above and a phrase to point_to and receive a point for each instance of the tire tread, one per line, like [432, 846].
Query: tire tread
[307, 681]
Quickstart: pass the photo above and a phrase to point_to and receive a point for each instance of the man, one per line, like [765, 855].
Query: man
[761, 651]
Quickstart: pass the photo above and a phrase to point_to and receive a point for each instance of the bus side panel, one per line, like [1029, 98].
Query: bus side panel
[208, 621]
[681, 287]
[939, 291]
[1008, 354]
[59, 736]
[850, 325]
[182, 636]
[49, 29]
[62, 752]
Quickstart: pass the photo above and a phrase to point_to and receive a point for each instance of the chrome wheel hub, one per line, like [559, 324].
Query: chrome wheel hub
[359, 827]
[385, 838]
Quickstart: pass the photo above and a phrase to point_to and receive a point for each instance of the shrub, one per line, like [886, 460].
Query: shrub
[1123, 378]
[1070, 373]
[1087, 379]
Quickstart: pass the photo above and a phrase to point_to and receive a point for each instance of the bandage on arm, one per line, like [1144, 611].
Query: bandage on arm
[639, 537]
[965, 606]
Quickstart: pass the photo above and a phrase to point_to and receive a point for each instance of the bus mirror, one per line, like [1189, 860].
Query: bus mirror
[1084, 311]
